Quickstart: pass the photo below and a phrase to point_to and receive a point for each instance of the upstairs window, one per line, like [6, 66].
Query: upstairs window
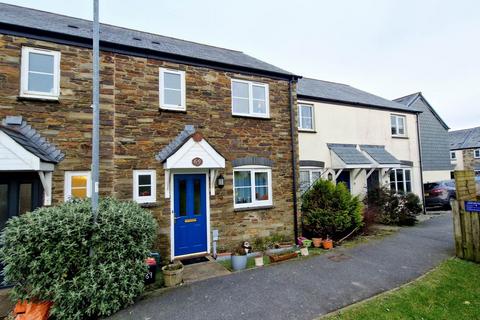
[250, 99]
[476, 153]
[40, 73]
[252, 187]
[144, 186]
[453, 155]
[77, 185]
[172, 89]
[305, 117]
[398, 125]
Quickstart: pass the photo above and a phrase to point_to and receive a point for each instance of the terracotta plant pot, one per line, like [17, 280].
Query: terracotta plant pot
[32, 310]
[304, 251]
[317, 242]
[259, 261]
[282, 257]
[172, 274]
[327, 244]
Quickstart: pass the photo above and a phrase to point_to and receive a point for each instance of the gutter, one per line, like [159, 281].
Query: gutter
[421, 165]
[294, 157]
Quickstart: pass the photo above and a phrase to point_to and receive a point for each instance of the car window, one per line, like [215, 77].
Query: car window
[432, 185]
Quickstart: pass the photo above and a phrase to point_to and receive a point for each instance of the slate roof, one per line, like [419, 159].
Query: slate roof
[379, 154]
[80, 28]
[348, 153]
[411, 98]
[22, 133]
[339, 92]
[176, 143]
[464, 139]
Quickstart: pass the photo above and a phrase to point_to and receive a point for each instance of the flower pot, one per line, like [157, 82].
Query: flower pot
[259, 261]
[307, 243]
[304, 251]
[172, 274]
[282, 257]
[327, 244]
[239, 262]
[32, 310]
[317, 242]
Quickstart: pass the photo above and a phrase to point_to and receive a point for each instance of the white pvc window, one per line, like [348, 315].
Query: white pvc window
[172, 89]
[401, 180]
[252, 187]
[78, 185]
[398, 125]
[308, 178]
[250, 99]
[144, 186]
[453, 155]
[476, 153]
[305, 117]
[40, 73]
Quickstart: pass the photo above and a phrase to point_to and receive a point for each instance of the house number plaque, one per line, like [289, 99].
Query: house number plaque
[197, 162]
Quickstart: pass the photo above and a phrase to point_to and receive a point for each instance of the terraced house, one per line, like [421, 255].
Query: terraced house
[202, 136]
[351, 136]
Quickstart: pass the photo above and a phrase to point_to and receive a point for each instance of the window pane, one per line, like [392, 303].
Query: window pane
[261, 193]
[243, 195]
[400, 187]
[407, 175]
[392, 175]
[399, 175]
[40, 82]
[172, 80]
[304, 180]
[316, 175]
[261, 179]
[259, 106]
[3, 205]
[173, 97]
[79, 193]
[25, 198]
[242, 179]
[307, 123]
[79, 181]
[197, 209]
[392, 186]
[144, 191]
[240, 105]
[306, 111]
[144, 179]
[258, 92]
[401, 125]
[393, 123]
[183, 198]
[240, 89]
[409, 187]
[40, 63]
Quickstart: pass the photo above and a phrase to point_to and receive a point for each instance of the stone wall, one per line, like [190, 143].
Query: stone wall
[133, 130]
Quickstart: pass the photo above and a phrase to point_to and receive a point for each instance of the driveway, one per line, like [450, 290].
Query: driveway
[307, 288]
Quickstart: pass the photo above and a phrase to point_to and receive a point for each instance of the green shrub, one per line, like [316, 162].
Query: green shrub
[46, 256]
[394, 208]
[329, 209]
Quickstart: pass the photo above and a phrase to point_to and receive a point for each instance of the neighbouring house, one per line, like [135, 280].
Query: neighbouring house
[433, 139]
[465, 149]
[351, 136]
[202, 136]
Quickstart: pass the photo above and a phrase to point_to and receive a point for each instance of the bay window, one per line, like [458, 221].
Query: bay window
[401, 180]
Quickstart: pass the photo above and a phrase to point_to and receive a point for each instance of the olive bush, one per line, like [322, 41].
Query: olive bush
[87, 271]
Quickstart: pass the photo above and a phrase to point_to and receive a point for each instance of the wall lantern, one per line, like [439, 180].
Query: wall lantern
[330, 176]
[220, 181]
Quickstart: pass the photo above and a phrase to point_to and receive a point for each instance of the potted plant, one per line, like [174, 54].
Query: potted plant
[327, 243]
[172, 274]
[239, 259]
[317, 242]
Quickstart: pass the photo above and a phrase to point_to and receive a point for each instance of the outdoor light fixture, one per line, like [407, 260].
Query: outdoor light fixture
[220, 181]
[330, 176]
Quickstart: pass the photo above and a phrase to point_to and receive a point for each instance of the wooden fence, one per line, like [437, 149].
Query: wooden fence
[466, 225]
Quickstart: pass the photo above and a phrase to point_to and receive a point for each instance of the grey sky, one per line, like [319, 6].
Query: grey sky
[390, 48]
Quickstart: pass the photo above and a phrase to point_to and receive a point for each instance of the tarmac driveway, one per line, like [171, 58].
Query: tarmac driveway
[307, 288]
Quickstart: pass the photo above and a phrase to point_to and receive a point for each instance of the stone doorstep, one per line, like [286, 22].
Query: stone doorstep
[204, 270]
[5, 304]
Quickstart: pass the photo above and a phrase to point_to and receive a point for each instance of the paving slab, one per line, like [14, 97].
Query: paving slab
[307, 288]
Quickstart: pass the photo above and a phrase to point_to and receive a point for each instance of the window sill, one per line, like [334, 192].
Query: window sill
[149, 204]
[400, 137]
[253, 208]
[42, 99]
[250, 117]
[172, 110]
[306, 131]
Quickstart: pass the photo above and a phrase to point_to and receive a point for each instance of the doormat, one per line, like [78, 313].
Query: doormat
[186, 262]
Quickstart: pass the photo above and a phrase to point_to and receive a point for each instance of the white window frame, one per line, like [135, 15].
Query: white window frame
[300, 118]
[453, 156]
[250, 99]
[476, 153]
[397, 116]
[153, 179]
[310, 171]
[255, 203]
[404, 180]
[25, 64]
[161, 93]
[68, 183]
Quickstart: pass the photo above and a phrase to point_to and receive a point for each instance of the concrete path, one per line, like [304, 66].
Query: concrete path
[308, 288]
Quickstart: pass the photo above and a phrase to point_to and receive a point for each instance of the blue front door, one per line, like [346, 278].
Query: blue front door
[190, 213]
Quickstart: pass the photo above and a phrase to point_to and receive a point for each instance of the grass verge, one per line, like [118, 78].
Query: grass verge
[449, 292]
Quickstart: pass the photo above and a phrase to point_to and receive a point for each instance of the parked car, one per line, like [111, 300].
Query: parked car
[439, 194]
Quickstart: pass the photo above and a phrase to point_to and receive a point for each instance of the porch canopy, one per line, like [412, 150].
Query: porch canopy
[23, 149]
[379, 156]
[347, 156]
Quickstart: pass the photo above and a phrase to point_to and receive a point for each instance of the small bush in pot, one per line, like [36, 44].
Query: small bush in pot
[239, 257]
[172, 274]
[46, 256]
[330, 209]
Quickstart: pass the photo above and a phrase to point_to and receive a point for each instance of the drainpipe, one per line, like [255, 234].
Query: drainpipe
[421, 163]
[294, 156]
